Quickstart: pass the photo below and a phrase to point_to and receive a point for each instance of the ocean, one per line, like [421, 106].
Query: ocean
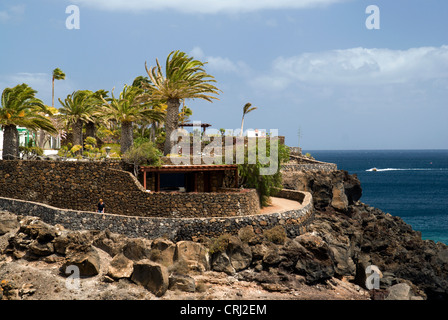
[411, 184]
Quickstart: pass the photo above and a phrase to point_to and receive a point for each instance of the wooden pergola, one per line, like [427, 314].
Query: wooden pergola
[192, 169]
[202, 125]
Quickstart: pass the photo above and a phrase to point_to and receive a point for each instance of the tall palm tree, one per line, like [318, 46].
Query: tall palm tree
[96, 117]
[76, 110]
[246, 109]
[128, 109]
[20, 107]
[184, 78]
[57, 75]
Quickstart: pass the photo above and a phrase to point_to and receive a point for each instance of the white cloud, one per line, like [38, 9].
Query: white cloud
[359, 66]
[11, 13]
[203, 6]
[4, 16]
[41, 82]
[34, 80]
[219, 64]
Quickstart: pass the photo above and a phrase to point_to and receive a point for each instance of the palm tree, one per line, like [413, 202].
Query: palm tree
[96, 118]
[76, 110]
[57, 75]
[20, 107]
[184, 78]
[246, 109]
[128, 109]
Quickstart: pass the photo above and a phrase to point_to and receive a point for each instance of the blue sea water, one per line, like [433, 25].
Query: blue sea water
[411, 184]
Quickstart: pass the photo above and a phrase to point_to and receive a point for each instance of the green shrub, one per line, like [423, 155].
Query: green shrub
[144, 154]
[115, 150]
[250, 173]
[31, 152]
[90, 149]
[220, 244]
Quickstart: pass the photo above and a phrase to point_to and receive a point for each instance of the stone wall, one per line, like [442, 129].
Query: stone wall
[79, 186]
[176, 229]
[290, 194]
[311, 166]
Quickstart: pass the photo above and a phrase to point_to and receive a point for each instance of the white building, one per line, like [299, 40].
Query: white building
[24, 137]
[256, 133]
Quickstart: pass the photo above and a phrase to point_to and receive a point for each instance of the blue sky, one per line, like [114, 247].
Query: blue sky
[308, 65]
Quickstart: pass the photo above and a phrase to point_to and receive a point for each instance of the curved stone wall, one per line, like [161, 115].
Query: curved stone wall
[176, 229]
[79, 186]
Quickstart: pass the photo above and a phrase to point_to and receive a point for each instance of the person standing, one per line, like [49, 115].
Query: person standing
[101, 206]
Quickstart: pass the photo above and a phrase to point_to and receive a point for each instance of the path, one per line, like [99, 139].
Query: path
[280, 205]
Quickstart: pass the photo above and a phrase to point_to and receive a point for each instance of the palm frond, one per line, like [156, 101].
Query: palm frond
[248, 108]
[185, 78]
[20, 107]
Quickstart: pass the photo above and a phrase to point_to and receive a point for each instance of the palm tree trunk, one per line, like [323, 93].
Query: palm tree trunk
[10, 142]
[77, 133]
[126, 136]
[153, 131]
[41, 138]
[90, 129]
[242, 123]
[52, 92]
[171, 123]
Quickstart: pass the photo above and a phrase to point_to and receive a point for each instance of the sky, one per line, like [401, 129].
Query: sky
[315, 69]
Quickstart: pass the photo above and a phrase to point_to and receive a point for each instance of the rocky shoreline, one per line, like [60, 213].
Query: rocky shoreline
[327, 262]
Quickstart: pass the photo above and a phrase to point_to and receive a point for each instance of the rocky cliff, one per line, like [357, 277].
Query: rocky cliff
[359, 235]
[329, 261]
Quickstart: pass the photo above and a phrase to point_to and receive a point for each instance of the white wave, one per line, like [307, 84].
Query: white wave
[402, 169]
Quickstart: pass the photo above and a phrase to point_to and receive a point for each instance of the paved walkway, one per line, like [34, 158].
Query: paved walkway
[280, 205]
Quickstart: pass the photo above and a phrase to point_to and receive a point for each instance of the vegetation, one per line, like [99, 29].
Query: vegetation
[57, 75]
[76, 110]
[220, 244]
[136, 125]
[246, 109]
[31, 152]
[184, 78]
[308, 155]
[251, 173]
[144, 154]
[90, 148]
[128, 109]
[246, 233]
[276, 235]
[20, 107]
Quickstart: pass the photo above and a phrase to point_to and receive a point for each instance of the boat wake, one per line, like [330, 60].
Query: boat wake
[403, 169]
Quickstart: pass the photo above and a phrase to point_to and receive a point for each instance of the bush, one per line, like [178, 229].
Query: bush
[115, 149]
[250, 174]
[31, 152]
[90, 149]
[276, 235]
[220, 244]
[144, 154]
[246, 233]
[179, 267]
